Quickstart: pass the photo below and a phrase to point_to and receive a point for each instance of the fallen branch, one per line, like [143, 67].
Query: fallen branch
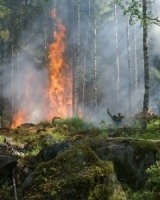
[14, 185]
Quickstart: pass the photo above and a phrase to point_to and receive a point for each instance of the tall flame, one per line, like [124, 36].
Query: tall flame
[59, 91]
[57, 99]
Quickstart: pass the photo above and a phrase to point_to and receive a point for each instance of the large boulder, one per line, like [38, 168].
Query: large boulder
[76, 174]
[53, 150]
[131, 157]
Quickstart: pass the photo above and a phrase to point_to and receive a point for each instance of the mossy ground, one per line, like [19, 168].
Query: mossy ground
[78, 173]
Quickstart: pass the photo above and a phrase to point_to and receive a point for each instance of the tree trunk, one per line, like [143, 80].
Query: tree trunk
[135, 60]
[18, 80]
[146, 66]
[73, 61]
[129, 67]
[78, 59]
[95, 57]
[117, 55]
[85, 56]
[12, 81]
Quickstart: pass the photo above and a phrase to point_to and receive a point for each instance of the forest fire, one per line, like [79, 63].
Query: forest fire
[59, 91]
[25, 111]
[56, 101]
[18, 118]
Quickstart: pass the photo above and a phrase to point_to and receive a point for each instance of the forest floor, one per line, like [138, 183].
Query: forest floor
[35, 146]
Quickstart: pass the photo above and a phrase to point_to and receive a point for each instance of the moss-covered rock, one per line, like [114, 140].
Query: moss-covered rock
[131, 157]
[75, 174]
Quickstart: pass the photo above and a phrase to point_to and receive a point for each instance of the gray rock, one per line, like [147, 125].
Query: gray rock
[52, 151]
[131, 158]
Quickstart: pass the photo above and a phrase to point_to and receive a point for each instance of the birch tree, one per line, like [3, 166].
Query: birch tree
[117, 54]
[135, 60]
[73, 38]
[78, 58]
[129, 66]
[95, 56]
[85, 55]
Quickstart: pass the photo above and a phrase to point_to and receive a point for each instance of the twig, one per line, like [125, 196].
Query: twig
[14, 185]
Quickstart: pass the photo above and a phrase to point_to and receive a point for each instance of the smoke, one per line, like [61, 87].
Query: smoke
[107, 74]
[25, 77]
[107, 67]
[25, 82]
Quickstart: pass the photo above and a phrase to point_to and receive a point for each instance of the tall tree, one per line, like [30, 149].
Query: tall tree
[85, 54]
[129, 67]
[117, 54]
[78, 58]
[95, 55]
[146, 64]
[135, 60]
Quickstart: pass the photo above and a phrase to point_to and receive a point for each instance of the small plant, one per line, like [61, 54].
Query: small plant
[6, 189]
[75, 124]
[152, 186]
[153, 182]
[45, 124]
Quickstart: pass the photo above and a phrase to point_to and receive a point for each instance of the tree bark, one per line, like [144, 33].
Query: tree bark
[146, 66]
[85, 56]
[117, 55]
[129, 67]
[78, 59]
[95, 57]
[73, 61]
[135, 60]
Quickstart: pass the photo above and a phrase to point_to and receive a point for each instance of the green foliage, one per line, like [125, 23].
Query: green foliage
[2, 139]
[134, 10]
[75, 124]
[140, 195]
[6, 190]
[153, 182]
[4, 10]
[152, 187]
[155, 74]
[44, 124]
[4, 35]
[104, 11]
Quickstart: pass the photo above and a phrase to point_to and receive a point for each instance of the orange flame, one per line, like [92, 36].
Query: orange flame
[57, 101]
[18, 119]
[22, 115]
[59, 91]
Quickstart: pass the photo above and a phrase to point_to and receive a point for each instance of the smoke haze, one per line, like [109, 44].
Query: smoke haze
[26, 76]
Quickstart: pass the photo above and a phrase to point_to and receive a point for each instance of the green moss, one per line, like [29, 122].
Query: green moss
[144, 146]
[74, 124]
[75, 174]
[2, 139]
